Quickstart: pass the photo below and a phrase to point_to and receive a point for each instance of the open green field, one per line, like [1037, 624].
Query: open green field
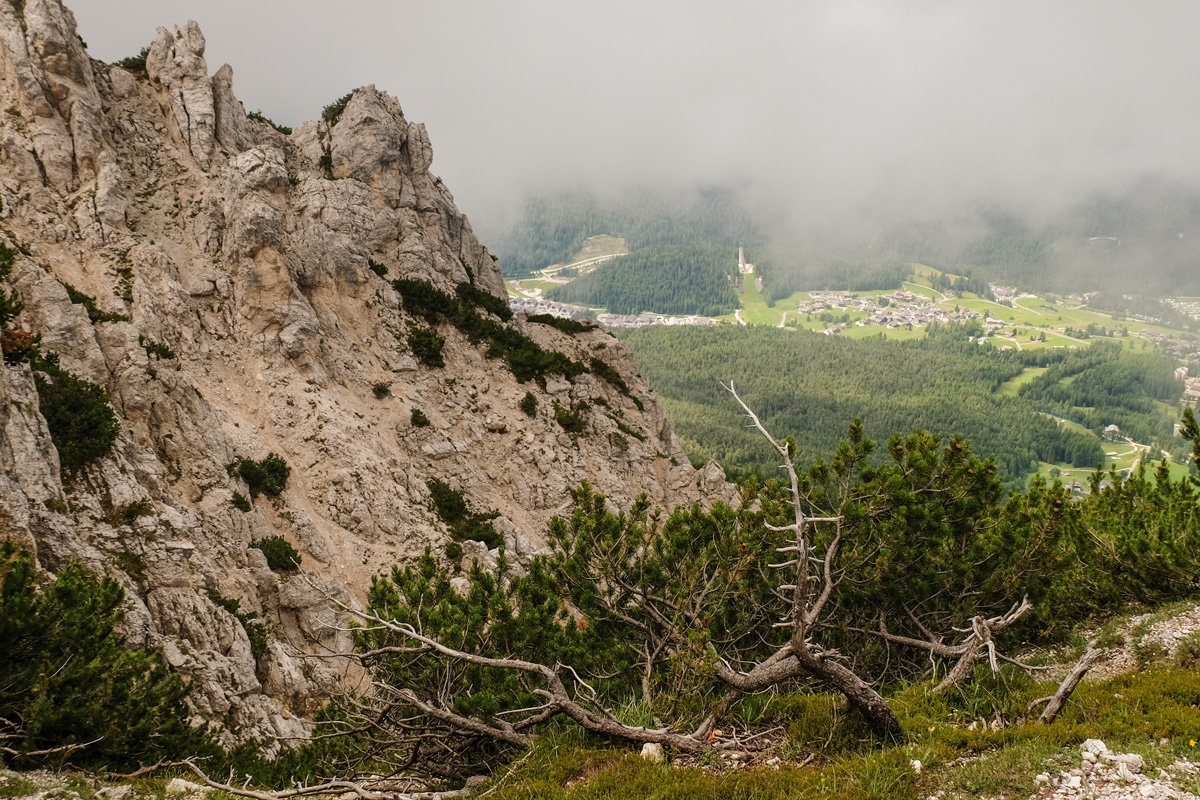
[754, 308]
[853, 331]
[602, 245]
[1083, 476]
[1011, 387]
[922, 289]
[924, 271]
[525, 288]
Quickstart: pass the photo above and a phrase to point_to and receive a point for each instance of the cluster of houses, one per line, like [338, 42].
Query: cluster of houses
[1004, 295]
[646, 318]
[1186, 350]
[901, 308]
[1189, 307]
[1191, 386]
[536, 305]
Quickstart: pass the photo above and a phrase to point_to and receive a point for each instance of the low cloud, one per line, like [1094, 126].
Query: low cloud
[821, 109]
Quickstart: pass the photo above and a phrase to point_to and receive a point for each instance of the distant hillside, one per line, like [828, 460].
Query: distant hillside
[814, 386]
[553, 227]
[665, 280]
[1140, 240]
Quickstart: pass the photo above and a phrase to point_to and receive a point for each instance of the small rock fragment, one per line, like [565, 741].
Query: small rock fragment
[653, 751]
[180, 786]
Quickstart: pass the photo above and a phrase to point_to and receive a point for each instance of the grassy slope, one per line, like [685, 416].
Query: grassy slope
[1152, 711]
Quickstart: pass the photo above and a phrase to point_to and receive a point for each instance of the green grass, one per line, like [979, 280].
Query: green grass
[867, 331]
[754, 307]
[922, 288]
[602, 245]
[524, 288]
[14, 785]
[1131, 713]
[926, 271]
[1010, 388]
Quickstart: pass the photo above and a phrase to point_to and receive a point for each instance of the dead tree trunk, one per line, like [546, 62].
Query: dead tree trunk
[978, 640]
[809, 596]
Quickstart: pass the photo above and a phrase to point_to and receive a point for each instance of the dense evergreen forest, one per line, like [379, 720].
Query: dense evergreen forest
[1105, 385]
[666, 279]
[814, 385]
[790, 273]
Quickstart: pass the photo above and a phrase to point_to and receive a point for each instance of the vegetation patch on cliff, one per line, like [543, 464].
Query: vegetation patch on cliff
[525, 358]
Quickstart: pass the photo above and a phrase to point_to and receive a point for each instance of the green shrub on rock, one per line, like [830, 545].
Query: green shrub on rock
[68, 677]
[427, 347]
[266, 476]
[281, 556]
[82, 424]
[529, 404]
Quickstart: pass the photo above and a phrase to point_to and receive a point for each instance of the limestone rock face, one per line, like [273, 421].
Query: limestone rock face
[253, 256]
[176, 66]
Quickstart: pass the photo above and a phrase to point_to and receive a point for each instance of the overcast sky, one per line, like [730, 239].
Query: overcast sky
[821, 105]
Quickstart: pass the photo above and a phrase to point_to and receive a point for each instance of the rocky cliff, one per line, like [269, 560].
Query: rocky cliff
[230, 290]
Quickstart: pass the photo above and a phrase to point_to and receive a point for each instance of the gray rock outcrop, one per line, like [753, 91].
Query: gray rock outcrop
[249, 255]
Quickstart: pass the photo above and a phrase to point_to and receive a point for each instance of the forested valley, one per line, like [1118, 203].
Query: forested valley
[813, 386]
[553, 227]
[1105, 385]
[1129, 246]
[667, 279]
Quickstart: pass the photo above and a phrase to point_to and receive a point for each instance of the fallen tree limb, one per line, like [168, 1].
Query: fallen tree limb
[51, 751]
[1055, 702]
[385, 791]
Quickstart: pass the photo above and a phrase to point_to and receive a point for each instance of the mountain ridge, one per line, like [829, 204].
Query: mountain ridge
[236, 306]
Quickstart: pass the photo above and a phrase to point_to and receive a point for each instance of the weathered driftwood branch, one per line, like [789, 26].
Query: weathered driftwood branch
[979, 640]
[52, 751]
[385, 789]
[1056, 701]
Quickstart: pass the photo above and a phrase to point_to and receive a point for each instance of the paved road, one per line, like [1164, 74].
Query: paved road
[548, 271]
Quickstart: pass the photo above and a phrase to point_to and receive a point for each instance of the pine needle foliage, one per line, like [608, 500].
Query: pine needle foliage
[267, 476]
[68, 677]
[281, 555]
[525, 358]
[83, 426]
[135, 64]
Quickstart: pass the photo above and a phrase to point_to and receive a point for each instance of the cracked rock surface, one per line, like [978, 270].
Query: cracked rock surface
[249, 254]
[1105, 775]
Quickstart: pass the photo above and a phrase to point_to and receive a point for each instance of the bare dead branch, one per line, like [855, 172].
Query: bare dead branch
[386, 789]
[799, 656]
[52, 751]
[1060, 697]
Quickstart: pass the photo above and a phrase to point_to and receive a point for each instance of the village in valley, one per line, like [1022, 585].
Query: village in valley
[1009, 318]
